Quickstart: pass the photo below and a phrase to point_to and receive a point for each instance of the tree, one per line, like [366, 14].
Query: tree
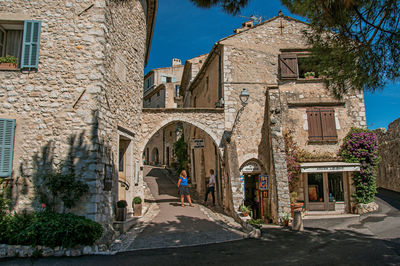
[364, 49]
[230, 6]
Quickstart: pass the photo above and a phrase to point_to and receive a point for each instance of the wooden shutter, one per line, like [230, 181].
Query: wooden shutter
[30, 44]
[288, 66]
[314, 124]
[7, 127]
[328, 124]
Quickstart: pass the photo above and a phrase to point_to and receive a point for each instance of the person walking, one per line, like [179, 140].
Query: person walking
[184, 189]
[210, 187]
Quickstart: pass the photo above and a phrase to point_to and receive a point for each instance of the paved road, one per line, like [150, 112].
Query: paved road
[175, 225]
[368, 242]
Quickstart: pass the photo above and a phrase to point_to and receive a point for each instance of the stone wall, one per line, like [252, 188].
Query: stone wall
[55, 107]
[84, 96]
[389, 149]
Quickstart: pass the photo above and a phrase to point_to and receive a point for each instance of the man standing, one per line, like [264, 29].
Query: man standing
[210, 187]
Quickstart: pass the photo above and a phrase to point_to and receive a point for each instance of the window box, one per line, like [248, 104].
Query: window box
[8, 66]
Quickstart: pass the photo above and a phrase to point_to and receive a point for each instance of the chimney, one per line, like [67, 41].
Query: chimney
[245, 25]
[176, 62]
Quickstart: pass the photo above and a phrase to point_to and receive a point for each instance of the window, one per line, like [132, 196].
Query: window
[7, 127]
[22, 41]
[321, 124]
[177, 87]
[293, 66]
[168, 79]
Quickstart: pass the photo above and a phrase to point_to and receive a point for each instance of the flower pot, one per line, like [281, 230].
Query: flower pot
[8, 66]
[296, 206]
[121, 214]
[285, 223]
[245, 214]
[137, 210]
[310, 77]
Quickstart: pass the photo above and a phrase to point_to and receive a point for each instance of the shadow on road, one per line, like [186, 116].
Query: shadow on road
[278, 247]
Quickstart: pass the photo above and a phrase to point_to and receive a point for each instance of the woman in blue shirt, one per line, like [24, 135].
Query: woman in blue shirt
[183, 188]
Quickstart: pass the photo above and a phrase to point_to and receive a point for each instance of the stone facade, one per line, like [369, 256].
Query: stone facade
[250, 59]
[82, 98]
[389, 150]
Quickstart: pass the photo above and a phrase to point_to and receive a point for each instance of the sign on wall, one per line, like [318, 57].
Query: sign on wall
[251, 167]
[198, 143]
[263, 182]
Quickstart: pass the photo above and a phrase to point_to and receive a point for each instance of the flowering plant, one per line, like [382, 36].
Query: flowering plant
[361, 146]
[293, 167]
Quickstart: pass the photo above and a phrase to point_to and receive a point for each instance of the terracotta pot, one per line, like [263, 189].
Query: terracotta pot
[245, 213]
[286, 223]
[310, 77]
[8, 66]
[296, 206]
[137, 209]
[121, 214]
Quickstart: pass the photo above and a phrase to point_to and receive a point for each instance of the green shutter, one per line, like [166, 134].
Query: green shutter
[30, 44]
[7, 127]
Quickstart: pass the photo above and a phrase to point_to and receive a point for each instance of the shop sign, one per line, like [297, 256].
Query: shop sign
[320, 169]
[263, 182]
[251, 167]
[198, 143]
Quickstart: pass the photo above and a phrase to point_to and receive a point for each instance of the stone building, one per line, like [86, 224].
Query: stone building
[161, 90]
[73, 102]
[266, 61]
[388, 176]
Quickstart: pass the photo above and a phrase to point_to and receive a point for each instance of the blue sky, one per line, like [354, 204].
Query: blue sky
[184, 31]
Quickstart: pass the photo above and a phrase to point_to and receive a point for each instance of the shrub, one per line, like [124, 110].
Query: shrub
[9, 59]
[361, 146]
[137, 200]
[255, 221]
[49, 229]
[122, 204]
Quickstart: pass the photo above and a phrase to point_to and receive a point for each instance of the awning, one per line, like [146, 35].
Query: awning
[318, 167]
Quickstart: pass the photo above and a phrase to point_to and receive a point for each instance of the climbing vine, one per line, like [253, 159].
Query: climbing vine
[180, 149]
[361, 146]
[292, 153]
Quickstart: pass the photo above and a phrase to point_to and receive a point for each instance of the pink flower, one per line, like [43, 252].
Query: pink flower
[43, 205]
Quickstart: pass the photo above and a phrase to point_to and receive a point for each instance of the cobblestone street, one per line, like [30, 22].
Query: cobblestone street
[167, 224]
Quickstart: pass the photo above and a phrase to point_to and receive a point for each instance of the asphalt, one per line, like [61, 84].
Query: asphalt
[373, 239]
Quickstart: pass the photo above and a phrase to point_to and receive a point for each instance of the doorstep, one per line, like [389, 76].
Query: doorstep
[311, 215]
[123, 226]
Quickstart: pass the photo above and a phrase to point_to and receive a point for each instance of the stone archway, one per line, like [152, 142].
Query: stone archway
[211, 121]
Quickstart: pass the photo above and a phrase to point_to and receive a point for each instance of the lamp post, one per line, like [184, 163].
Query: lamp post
[244, 98]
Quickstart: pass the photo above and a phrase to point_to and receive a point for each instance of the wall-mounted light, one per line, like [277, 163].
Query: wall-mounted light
[244, 96]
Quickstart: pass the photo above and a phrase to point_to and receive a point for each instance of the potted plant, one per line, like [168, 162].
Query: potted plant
[8, 62]
[137, 206]
[244, 210]
[255, 222]
[294, 205]
[121, 210]
[323, 74]
[285, 219]
[309, 75]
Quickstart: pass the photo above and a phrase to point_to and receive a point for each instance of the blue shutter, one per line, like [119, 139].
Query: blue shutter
[7, 127]
[30, 44]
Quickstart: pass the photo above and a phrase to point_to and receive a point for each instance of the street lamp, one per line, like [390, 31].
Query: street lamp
[244, 96]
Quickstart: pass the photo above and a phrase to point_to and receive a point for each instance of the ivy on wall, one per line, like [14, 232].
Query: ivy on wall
[361, 146]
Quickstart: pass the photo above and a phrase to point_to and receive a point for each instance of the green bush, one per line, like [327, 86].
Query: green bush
[122, 204]
[137, 200]
[49, 229]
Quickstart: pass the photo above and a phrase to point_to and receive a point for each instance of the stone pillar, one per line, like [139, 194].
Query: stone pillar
[278, 160]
